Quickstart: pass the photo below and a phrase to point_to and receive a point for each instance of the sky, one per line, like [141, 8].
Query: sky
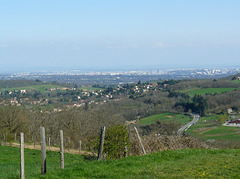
[75, 34]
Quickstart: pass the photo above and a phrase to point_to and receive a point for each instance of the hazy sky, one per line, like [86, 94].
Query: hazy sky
[36, 34]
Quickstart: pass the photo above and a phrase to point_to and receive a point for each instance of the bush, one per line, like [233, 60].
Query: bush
[116, 141]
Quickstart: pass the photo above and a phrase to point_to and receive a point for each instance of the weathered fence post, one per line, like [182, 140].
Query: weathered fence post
[15, 137]
[61, 150]
[80, 144]
[22, 174]
[43, 149]
[100, 150]
[5, 138]
[49, 142]
[140, 141]
[125, 151]
[34, 141]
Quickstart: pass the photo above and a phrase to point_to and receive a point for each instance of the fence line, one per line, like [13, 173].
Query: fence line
[100, 151]
[43, 151]
[140, 141]
[62, 142]
[61, 150]
[22, 173]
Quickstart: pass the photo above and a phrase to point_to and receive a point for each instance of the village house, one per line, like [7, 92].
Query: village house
[235, 123]
[52, 89]
[145, 90]
[23, 91]
[229, 110]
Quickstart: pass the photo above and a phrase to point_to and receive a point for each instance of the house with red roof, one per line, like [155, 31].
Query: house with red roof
[235, 123]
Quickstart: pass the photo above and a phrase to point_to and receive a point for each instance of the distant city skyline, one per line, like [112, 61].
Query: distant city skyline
[78, 34]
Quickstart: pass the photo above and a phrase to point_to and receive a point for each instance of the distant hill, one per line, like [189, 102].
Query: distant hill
[231, 77]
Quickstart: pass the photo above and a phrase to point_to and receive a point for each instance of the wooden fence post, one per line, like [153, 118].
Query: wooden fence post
[49, 142]
[5, 138]
[61, 150]
[43, 150]
[125, 151]
[15, 137]
[80, 145]
[140, 141]
[100, 151]
[22, 174]
[34, 141]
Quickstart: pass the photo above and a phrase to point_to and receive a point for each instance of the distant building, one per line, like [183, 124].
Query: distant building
[23, 91]
[235, 123]
[229, 110]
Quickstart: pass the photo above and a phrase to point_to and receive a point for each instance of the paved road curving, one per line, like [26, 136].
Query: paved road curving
[185, 127]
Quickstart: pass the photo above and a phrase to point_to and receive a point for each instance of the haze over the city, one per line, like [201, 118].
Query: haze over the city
[74, 34]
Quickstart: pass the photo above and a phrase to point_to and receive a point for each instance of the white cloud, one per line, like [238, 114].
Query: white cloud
[77, 48]
[159, 44]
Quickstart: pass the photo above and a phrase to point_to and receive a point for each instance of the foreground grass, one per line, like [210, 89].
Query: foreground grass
[188, 163]
[199, 91]
[184, 119]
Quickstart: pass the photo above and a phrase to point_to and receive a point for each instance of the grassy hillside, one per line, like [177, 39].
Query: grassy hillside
[235, 81]
[31, 85]
[40, 87]
[199, 91]
[18, 83]
[207, 128]
[188, 163]
[184, 119]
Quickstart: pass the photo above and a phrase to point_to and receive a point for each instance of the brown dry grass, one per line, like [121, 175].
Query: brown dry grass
[51, 148]
[154, 143]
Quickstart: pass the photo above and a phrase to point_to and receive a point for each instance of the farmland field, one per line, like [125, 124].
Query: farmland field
[45, 88]
[41, 88]
[207, 128]
[199, 91]
[184, 119]
[235, 81]
[185, 163]
[90, 88]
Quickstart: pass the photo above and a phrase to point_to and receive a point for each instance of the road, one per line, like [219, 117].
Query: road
[185, 127]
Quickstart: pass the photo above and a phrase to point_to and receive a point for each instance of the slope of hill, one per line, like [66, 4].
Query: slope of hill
[187, 163]
[231, 76]
[11, 84]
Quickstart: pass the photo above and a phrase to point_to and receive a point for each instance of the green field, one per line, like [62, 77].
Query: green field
[184, 119]
[199, 91]
[41, 88]
[235, 81]
[90, 89]
[207, 128]
[186, 163]
[45, 87]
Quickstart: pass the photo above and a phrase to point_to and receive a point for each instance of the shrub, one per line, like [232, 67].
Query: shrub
[116, 141]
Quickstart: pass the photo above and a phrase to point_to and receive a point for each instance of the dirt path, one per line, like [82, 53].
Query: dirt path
[56, 149]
